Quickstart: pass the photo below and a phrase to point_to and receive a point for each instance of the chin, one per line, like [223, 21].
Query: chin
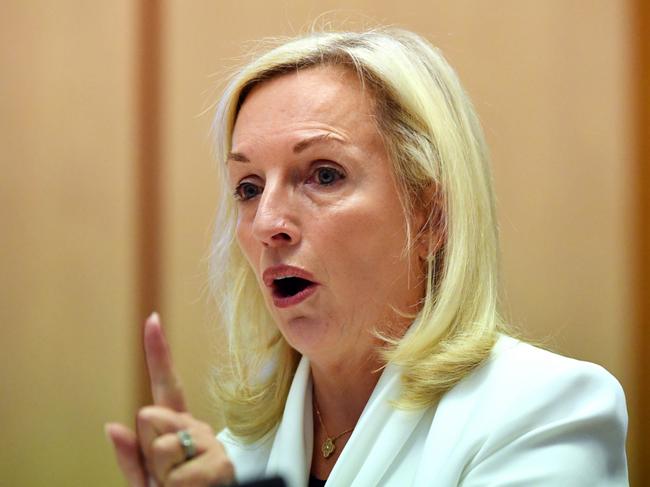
[306, 335]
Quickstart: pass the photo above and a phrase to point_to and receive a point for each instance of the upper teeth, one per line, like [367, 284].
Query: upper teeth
[284, 277]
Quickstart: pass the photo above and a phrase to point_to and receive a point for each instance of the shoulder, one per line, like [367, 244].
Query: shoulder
[516, 371]
[533, 385]
[530, 410]
[512, 359]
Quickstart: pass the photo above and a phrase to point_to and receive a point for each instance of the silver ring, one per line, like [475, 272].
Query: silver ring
[187, 444]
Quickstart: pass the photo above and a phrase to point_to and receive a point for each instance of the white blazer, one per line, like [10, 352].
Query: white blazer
[527, 417]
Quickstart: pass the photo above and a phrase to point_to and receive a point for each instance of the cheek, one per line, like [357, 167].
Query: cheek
[367, 239]
[244, 235]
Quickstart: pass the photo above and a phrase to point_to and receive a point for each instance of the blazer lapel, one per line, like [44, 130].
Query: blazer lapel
[292, 447]
[378, 437]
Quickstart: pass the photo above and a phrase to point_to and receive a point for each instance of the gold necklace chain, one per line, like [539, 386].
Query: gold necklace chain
[328, 446]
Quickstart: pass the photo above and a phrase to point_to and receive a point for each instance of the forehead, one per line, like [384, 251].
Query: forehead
[321, 98]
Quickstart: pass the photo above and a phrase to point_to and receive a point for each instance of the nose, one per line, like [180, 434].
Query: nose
[276, 222]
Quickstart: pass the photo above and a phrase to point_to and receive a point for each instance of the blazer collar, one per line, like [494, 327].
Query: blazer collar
[376, 440]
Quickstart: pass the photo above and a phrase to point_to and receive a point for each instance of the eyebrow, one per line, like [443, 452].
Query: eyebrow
[305, 143]
[297, 149]
[237, 157]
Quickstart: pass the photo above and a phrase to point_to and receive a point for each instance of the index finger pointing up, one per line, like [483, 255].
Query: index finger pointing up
[165, 386]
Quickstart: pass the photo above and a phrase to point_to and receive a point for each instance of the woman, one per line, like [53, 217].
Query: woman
[356, 257]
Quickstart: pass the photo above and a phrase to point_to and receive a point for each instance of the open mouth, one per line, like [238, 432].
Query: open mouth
[286, 287]
[289, 285]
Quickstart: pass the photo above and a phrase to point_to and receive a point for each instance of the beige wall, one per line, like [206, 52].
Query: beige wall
[551, 82]
[66, 286]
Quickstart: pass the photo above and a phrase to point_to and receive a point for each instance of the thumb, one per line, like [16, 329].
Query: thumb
[165, 386]
[127, 452]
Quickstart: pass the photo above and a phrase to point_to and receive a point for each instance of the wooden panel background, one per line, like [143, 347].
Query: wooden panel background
[107, 194]
[66, 238]
[640, 356]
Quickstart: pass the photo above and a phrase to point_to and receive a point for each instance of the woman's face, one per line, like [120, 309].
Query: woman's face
[319, 214]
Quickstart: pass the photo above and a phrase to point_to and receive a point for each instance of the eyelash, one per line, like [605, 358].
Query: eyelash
[238, 191]
[339, 175]
[238, 194]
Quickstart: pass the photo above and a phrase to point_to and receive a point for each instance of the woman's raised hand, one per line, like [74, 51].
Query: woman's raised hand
[156, 454]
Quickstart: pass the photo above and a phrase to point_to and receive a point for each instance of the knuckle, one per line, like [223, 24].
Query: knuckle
[159, 446]
[149, 409]
[204, 429]
[144, 414]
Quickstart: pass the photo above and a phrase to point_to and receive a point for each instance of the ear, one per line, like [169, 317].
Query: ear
[430, 222]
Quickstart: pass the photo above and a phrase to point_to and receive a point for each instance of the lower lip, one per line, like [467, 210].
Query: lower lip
[285, 302]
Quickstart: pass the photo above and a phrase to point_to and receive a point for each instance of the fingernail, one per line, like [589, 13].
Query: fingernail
[154, 317]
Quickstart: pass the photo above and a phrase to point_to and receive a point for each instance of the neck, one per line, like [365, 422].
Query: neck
[341, 392]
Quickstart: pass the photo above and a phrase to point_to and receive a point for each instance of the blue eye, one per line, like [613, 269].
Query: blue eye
[246, 191]
[327, 175]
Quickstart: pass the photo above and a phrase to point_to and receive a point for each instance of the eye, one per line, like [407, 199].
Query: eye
[246, 191]
[326, 176]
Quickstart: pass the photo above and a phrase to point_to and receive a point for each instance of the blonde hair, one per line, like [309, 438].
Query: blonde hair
[435, 141]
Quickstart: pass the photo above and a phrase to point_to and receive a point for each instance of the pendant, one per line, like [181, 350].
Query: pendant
[328, 447]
